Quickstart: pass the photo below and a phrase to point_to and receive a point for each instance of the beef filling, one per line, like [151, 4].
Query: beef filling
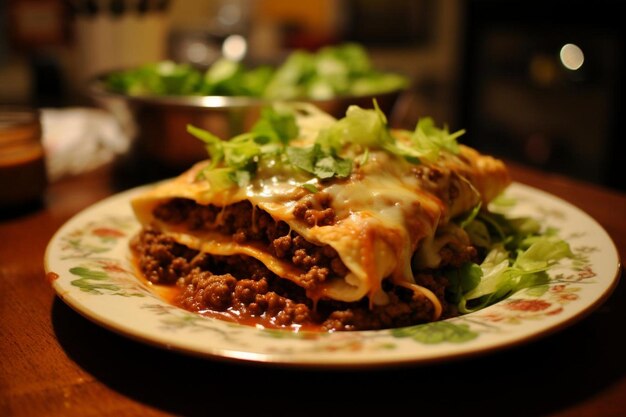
[242, 288]
[251, 224]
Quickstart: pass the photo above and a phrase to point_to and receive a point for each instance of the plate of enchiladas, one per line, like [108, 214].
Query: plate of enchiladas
[316, 241]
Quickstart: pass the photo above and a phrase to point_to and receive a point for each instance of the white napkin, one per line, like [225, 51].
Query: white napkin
[80, 139]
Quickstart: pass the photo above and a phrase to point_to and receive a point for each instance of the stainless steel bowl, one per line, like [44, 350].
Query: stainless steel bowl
[157, 124]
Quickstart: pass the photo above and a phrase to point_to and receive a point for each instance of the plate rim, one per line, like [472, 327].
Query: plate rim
[329, 361]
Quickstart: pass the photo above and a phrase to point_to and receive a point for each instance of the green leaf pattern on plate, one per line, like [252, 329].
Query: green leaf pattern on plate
[437, 332]
[98, 271]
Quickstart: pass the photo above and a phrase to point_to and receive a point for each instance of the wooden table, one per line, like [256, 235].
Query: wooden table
[54, 362]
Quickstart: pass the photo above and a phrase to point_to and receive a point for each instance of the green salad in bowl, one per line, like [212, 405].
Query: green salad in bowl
[333, 71]
[155, 102]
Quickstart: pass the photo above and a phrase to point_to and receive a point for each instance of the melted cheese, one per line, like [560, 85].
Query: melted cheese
[385, 213]
[218, 244]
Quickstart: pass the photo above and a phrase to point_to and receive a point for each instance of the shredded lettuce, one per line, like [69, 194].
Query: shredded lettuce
[429, 140]
[277, 125]
[232, 162]
[516, 253]
[518, 256]
[369, 129]
[335, 147]
[322, 164]
[365, 127]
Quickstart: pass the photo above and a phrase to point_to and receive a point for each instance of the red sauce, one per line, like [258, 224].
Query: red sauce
[172, 293]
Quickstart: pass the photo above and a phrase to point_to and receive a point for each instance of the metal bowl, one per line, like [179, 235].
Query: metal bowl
[157, 124]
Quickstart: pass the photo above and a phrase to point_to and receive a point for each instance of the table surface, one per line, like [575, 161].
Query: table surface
[57, 363]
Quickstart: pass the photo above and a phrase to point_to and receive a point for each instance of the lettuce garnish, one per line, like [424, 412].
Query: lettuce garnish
[516, 252]
[518, 256]
[336, 146]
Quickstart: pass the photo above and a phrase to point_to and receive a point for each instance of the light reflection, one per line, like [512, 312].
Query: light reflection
[572, 56]
[197, 52]
[235, 47]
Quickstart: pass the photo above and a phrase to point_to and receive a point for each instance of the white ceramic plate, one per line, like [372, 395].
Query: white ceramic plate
[89, 265]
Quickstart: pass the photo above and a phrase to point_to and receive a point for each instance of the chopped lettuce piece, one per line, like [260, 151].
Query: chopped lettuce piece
[366, 127]
[276, 125]
[428, 139]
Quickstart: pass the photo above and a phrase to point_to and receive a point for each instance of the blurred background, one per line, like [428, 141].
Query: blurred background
[536, 82]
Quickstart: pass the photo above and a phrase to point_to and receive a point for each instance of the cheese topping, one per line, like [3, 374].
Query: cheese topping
[391, 216]
[388, 220]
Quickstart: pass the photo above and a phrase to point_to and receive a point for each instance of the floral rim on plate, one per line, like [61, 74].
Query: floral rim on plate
[90, 267]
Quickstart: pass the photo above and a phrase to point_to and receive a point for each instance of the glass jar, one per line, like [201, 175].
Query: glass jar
[23, 177]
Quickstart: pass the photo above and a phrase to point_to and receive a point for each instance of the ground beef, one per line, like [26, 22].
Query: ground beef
[162, 260]
[241, 287]
[455, 256]
[443, 183]
[315, 210]
[252, 224]
[248, 297]
[405, 308]
[207, 291]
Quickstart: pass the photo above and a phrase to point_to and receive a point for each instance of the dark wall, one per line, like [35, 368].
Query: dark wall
[518, 99]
